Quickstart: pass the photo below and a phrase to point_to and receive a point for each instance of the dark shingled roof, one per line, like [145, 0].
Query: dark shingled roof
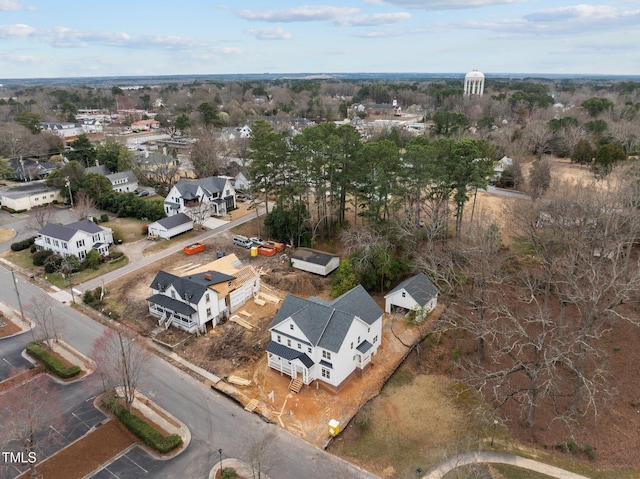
[288, 353]
[190, 288]
[189, 188]
[313, 256]
[172, 304]
[173, 221]
[419, 287]
[65, 233]
[326, 324]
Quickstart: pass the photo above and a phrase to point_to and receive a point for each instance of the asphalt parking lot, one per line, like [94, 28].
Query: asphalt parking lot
[131, 465]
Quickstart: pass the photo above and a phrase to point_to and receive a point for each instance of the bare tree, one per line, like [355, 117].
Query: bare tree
[158, 170]
[199, 213]
[209, 155]
[84, 205]
[50, 325]
[39, 217]
[30, 420]
[260, 455]
[539, 178]
[121, 363]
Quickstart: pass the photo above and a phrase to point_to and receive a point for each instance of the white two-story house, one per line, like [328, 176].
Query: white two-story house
[188, 196]
[194, 301]
[329, 341]
[75, 239]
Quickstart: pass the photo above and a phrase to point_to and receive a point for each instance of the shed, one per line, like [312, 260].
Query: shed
[417, 293]
[314, 261]
[171, 226]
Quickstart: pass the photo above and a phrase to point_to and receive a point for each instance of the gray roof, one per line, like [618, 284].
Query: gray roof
[99, 169]
[419, 287]
[325, 324]
[66, 232]
[27, 189]
[313, 256]
[171, 304]
[129, 175]
[189, 188]
[175, 220]
[288, 353]
[190, 288]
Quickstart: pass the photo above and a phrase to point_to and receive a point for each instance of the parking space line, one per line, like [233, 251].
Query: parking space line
[76, 416]
[114, 475]
[145, 471]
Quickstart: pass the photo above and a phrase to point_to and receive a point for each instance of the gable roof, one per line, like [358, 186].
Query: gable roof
[128, 175]
[190, 288]
[421, 289]
[189, 188]
[66, 232]
[173, 221]
[99, 169]
[313, 256]
[325, 324]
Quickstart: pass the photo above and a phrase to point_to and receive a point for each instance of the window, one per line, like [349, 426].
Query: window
[309, 350]
[358, 339]
[56, 243]
[326, 355]
[206, 297]
[326, 373]
[289, 342]
[404, 295]
[352, 345]
[375, 340]
[299, 346]
[64, 245]
[368, 330]
[48, 240]
[208, 312]
[279, 338]
[291, 327]
[80, 243]
[173, 294]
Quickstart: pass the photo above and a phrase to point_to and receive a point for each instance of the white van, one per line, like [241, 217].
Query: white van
[242, 241]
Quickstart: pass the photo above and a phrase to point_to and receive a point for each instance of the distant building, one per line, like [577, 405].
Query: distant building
[29, 195]
[75, 239]
[474, 83]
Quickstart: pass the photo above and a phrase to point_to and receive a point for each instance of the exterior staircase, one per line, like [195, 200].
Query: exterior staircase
[296, 385]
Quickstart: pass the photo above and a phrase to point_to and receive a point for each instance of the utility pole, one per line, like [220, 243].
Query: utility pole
[15, 285]
[68, 185]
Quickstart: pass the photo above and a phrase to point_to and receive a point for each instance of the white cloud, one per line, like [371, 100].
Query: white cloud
[16, 31]
[448, 4]
[274, 33]
[306, 13]
[373, 20]
[11, 5]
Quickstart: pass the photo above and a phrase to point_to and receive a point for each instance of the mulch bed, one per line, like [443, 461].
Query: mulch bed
[7, 327]
[86, 454]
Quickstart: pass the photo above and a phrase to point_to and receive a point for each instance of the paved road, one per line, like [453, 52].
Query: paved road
[467, 458]
[215, 422]
[152, 258]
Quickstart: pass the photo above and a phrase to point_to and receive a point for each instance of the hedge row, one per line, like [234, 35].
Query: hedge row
[51, 362]
[150, 435]
[24, 244]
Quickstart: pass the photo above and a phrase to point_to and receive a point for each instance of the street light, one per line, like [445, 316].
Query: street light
[220, 452]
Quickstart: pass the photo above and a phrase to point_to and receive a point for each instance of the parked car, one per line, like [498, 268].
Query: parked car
[243, 241]
[257, 241]
[142, 193]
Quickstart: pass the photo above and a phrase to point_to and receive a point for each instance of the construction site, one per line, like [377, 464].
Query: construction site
[235, 349]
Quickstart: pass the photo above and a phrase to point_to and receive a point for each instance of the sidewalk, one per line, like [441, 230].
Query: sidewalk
[440, 470]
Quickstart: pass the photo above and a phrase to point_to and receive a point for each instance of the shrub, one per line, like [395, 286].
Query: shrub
[104, 217]
[22, 245]
[150, 435]
[53, 263]
[228, 473]
[88, 298]
[40, 257]
[51, 362]
[116, 254]
[589, 451]
[33, 249]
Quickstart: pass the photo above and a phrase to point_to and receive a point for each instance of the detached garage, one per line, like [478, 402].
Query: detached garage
[171, 226]
[314, 261]
[417, 293]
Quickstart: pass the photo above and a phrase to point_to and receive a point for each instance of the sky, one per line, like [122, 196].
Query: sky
[64, 38]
